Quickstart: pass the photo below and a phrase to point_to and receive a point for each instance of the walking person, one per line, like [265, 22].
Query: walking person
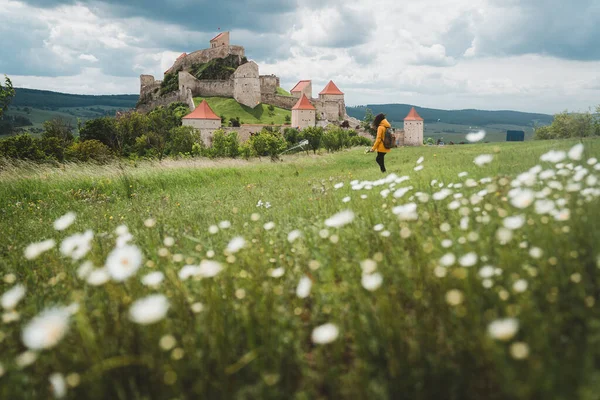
[381, 124]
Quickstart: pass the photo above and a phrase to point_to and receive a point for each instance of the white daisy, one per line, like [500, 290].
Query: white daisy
[340, 219]
[468, 260]
[554, 156]
[475, 136]
[98, 277]
[269, 225]
[346, 199]
[59, 385]
[224, 224]
[372, 282]
[293, 235]
[78, 245]
[12, 297]
[407, 212]
[514, 223]
[209, 268]
[420, 160]
[304, 286]
[447, 260]
[576, 152]
[520, 286]
[153, 278]
[149, 310]
[213, 229]
[324, 334]
[65, 221]
[123, 262]
[46, 329]
[277, 272]
[483, 159]
[503, 329]
[35, 249]
[522, 198]
[235, 245]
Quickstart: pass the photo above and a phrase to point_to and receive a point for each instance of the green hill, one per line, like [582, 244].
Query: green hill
[481, 118]
[229, 108]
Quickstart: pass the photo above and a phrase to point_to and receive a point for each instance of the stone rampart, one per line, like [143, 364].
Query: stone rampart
[246, 85]
[205, 88]
[162, 101]
[269, 84]
[278, 100]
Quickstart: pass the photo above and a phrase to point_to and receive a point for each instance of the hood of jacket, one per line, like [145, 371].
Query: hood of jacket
[385, 123]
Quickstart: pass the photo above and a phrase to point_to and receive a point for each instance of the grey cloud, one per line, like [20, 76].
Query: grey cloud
[254, 15]
[563, 29]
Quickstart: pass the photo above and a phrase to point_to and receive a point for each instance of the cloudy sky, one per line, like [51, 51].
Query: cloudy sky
[528, 55]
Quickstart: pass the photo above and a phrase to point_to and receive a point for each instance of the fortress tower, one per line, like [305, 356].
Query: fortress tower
[303, 113]
[302, 87]
[204, 119]
[413, 129]
[222, 39]
[331, 104]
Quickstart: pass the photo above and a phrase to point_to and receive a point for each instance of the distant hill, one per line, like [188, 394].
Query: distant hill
[45, 99]
[481, 118]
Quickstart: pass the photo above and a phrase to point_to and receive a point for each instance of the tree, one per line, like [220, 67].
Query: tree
[314, 135]
[367, 122]
[59, 128]
[102, 129]
[129, 127]
[7, 92]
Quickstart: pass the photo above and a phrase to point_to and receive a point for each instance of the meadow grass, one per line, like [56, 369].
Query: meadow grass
[224, 106]
[424, 333]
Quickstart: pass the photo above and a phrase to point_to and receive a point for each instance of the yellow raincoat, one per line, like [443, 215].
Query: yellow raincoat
[378, 145]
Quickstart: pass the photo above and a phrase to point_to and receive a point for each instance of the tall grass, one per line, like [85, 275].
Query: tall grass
[244, 334]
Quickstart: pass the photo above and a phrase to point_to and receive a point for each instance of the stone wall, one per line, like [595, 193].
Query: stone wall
[204, 56]
[246, 85]
[413, 133]
[149, 86]
[205, 126]
[278, 100]
[205, 88]
[269, 84]
[162, 101]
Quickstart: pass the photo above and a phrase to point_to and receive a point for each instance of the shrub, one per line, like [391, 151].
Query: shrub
[89, 150]
[102, 129]
[170, 83]
[219, 146]
[335, 138]
[24, 147]
[292, 136]
[181, 140]
[267, 143]
[314, 135]
[233, 145]
[355, 141]
[53, 148]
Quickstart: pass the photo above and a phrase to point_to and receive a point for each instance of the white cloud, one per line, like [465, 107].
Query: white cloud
[88, 57]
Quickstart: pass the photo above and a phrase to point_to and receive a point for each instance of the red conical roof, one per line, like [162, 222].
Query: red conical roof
[303, 104]
[413, 116]
[331, 89]
[202, 111]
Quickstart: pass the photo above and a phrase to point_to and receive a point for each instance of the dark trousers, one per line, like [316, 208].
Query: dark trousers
[379, 160]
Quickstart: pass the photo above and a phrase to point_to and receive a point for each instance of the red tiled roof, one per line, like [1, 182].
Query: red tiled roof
[216, 37]
[413, 116]
[300, 86]
[303, 104]
[203, 111]
[331, 89]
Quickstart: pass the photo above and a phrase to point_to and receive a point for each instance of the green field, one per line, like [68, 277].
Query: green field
[468, 291]
[456, 133]
[224, 106]
[72, 114]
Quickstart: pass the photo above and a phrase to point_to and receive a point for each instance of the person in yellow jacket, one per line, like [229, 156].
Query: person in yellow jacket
[381, 124]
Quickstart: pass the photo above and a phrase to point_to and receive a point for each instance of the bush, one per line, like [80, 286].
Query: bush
[24, 147]
[89, 150]
[181, 140]
[267, 143]
[314, 135]
[232, 143]
[53, 148]
[103, 130]
[566, 125]
[335, 138]
[355, 141]
[219, 146]
[170, 83]
[292, 136]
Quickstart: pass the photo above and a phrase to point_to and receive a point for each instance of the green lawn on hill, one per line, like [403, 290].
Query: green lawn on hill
[227, 107]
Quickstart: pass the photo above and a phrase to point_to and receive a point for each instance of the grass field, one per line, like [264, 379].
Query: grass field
[260, 114]
[454, 281]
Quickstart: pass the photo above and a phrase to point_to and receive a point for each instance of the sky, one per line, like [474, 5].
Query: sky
[527, 55]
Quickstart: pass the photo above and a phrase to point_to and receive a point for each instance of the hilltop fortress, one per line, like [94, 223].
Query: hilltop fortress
[245, 84]
[222, 70]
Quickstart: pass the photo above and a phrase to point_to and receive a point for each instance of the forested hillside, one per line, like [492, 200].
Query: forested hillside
[397, 112]
[45, 99]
